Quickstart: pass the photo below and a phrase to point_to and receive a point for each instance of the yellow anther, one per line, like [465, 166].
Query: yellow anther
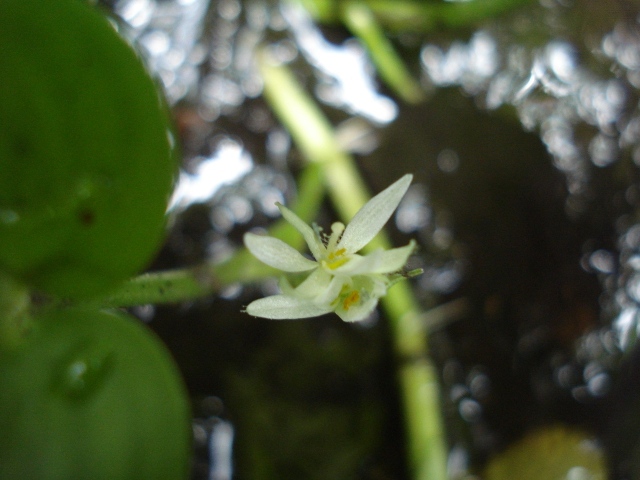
[335, 264]
[337, 253]
[335, 259]
[353, 297]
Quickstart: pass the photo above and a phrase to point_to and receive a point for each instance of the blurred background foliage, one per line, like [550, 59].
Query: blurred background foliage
[520, 122]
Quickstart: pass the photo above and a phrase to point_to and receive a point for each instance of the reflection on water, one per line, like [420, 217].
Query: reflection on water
[169, 36]
[213, 441]
[228, 163]
[470, 65]
[221, 451]
[345, 71]
[627, 287]
[553, 92]
[581, 97]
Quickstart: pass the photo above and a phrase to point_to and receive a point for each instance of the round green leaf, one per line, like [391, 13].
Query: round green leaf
[86, 156]
[92, 395]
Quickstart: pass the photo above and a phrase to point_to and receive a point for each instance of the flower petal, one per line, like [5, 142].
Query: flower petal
[277, 254]
[373, 215]
[315, 244]
[317, 282]
[329, 295]
[359, 312]
[282, 307]
[379, 261]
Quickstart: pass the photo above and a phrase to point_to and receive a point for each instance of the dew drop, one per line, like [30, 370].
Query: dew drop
[9, 217]
[85, 370]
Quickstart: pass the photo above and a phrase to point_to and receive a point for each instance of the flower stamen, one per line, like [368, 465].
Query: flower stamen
[336, 232]
[338, 262]
[353, 297]
[335, 259]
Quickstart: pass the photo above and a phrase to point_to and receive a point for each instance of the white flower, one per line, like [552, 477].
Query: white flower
[340, 280]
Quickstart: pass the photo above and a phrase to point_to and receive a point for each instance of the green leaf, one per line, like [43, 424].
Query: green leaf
[92, 395]
[86, 154]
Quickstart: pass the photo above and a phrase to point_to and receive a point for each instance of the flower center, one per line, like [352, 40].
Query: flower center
[335, 259]
[350, 299]
[336, 256]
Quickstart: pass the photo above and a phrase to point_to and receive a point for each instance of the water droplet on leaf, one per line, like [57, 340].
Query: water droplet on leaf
[8, 217]
[84, 371]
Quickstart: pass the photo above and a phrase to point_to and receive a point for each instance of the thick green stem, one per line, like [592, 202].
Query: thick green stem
[417, 378]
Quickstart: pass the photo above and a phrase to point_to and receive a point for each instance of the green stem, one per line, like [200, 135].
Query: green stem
[314, 136]
[165, 287]
[182, 285]
[419, 381]
[417, 375]
[428, 16]
[359, 18]
[418, 16]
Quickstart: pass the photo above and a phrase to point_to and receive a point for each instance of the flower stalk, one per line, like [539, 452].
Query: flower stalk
[187, 284]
